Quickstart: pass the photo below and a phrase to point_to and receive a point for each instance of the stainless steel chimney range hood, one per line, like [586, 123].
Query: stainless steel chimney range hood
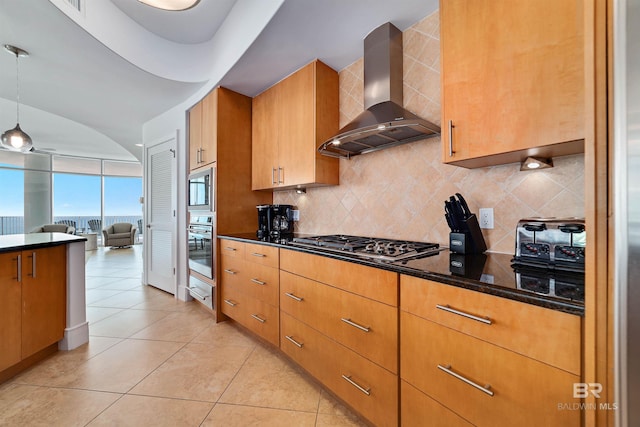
[384, 123]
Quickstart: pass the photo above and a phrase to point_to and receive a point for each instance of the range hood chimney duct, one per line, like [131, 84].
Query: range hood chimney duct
[384, 123]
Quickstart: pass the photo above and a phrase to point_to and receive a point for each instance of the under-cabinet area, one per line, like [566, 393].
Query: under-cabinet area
[399, 348]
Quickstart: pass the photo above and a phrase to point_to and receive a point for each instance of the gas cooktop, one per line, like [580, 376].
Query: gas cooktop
[368, 247]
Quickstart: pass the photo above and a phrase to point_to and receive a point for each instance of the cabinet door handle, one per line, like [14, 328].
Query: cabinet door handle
[231, 303]
[355, 325]
[292, 296]
[486, 320]
[258, 282]
[33, 264]
[258, 318]
[19, 271]
[273, 176]
[348, 379]
[201, 155]
[229, 271]
[447, 369]
[299, 344]
[258, 255]
[280, 180]
[451, 126]
[229, 248]
[194, 291]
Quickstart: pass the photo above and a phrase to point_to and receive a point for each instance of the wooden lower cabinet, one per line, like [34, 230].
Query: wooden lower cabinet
[249, 286]
[510, 389]
[368, 388]
[418, 410]
[366, 326]
[32, 302]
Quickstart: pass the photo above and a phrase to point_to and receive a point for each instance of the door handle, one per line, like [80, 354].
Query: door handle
[451, 126]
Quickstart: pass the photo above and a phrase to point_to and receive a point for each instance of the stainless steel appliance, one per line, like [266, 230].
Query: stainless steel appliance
[626, 221]
[384, 123]
[201, 291]
[201, 191]
[201, 245]
[368, 247]
[554, 243]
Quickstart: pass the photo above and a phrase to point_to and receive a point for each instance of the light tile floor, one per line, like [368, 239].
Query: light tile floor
[155, 361]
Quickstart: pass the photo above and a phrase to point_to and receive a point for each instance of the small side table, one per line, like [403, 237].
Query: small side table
[92, 241]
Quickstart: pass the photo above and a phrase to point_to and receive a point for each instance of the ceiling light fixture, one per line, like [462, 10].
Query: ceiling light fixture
[172, 5]
[535, 163]
[16, 139]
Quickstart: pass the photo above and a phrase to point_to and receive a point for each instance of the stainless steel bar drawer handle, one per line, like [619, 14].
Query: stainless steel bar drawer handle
[447, 369]
[229, 271]
[348, 379]
[194, 291]
[229, 248]
[292, 296]
[355, 325]
[258, 282]
[299, 344]
[258, 254]
[273, 176]
[451, 126]
[447, 308]
[19, 270]
[258, 318]
[231, 303]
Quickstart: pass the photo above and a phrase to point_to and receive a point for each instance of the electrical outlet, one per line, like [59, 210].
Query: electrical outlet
[296, 214]
[486, 218]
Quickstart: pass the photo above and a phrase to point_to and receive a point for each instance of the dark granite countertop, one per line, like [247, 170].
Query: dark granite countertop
[16, 242]
[490, 273]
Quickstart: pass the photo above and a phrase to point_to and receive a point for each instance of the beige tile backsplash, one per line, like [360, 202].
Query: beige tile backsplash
[400, 192]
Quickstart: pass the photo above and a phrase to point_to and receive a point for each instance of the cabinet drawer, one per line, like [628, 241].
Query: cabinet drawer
[368, 327]
[231, 270]
[232, 248]
[416, 407]
[261, 254]
[525, 392]
[373, 391]
[374, 283]
[547, 335]
[254, 280]
[257, 316]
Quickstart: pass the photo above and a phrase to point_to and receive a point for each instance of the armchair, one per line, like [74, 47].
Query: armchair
[54, 228]
[119, 234]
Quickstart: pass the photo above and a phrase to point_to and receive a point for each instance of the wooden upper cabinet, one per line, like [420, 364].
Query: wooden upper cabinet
[291, 119]
[512, 80]
[203, 131]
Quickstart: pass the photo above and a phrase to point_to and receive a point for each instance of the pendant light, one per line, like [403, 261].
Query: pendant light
[15, 139]
[173, 5]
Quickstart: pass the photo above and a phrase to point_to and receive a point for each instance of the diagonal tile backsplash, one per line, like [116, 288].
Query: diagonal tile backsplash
[400, 192]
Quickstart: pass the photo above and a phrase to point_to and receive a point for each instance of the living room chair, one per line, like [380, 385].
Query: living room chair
[119, 234]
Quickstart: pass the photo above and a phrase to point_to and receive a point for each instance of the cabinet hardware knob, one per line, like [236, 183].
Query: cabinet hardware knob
[486, 320]
[355, 325]
[448, 370]
[292, 296]
[299, 344]
[366, 391]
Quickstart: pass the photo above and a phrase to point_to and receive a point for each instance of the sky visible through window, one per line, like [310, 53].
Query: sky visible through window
[74, 195]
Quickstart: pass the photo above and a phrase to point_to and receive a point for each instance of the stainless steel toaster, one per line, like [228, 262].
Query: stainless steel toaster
[556, 243]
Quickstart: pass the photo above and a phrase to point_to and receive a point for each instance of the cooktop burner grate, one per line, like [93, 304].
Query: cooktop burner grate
[368, 247]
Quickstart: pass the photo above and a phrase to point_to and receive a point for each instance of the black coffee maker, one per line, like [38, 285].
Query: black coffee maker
[274, 221]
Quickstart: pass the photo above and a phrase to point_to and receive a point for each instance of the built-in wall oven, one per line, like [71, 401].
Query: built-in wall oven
[201, 244]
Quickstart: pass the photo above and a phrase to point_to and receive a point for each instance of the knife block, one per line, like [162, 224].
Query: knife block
[470, 241]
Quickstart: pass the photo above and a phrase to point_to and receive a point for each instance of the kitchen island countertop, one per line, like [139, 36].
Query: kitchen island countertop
[490, 273]
[14, 242]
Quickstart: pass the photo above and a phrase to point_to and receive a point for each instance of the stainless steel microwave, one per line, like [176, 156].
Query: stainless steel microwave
[202, 191]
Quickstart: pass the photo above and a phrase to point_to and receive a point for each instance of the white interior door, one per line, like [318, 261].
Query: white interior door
[160, 210]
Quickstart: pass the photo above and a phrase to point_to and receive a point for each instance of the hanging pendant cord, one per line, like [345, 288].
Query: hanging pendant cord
[17, 91]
